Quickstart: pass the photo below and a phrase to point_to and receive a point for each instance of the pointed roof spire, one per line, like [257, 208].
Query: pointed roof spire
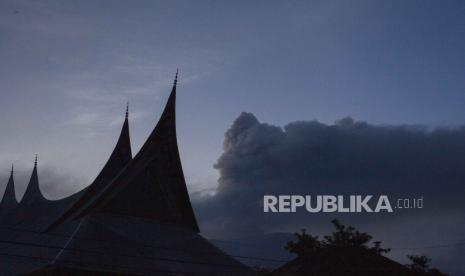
[127, 111]
[33, 192]
[120, 157]
[175, 83]
[154, 179]
[9, 200]
[12, 170]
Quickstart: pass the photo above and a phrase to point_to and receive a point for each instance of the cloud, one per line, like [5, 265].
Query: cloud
[55, 185]
[348, 157]
[85, 119]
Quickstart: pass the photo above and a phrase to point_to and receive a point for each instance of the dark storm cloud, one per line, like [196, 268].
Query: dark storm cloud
[261, 158]
[348, 157]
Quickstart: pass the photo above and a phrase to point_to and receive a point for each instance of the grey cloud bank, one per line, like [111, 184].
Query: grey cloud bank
[348, 157]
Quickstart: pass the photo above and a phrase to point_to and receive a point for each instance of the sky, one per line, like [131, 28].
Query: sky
[67, 69]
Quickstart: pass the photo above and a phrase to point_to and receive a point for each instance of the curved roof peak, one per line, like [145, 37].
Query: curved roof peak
[154, 179]
[175, 83]
[33, 192]
[9, 196]
[119, 158]
[122, 153]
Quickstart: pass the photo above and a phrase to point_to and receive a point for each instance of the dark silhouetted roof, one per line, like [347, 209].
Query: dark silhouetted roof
[135, 219]
[152, 185]
[114, 244]
[9, 201]
[120, 157]
[32, 193]
[35, 212]
[344, 261]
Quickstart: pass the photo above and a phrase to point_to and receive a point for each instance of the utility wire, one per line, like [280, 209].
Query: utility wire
[116, 254]
[77, 237]
[447, 245]
[151, 272]
[437, 246]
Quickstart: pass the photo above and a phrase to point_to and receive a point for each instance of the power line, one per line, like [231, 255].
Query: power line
[173, 260]
[447, 245]
[437, 246]
[151, 272]
[116, 254]
[145, 245]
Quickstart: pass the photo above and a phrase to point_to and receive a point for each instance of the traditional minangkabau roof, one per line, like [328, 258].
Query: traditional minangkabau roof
[37, 213]
[9, 200]
[30, 206]
[29, 222]
[154, 179]
[32, 193]
[142, 223]
[138, 221]
[107, 244]
[120, 157]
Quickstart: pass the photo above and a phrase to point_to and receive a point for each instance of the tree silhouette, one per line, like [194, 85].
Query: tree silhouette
[349, 237]
[420, 262]
[305, 245]
[347, 251]
[343, 237]
[260, 270]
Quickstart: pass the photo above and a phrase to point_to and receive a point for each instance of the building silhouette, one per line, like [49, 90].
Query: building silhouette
[135, 218]
[9, 201]
[347, 262]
